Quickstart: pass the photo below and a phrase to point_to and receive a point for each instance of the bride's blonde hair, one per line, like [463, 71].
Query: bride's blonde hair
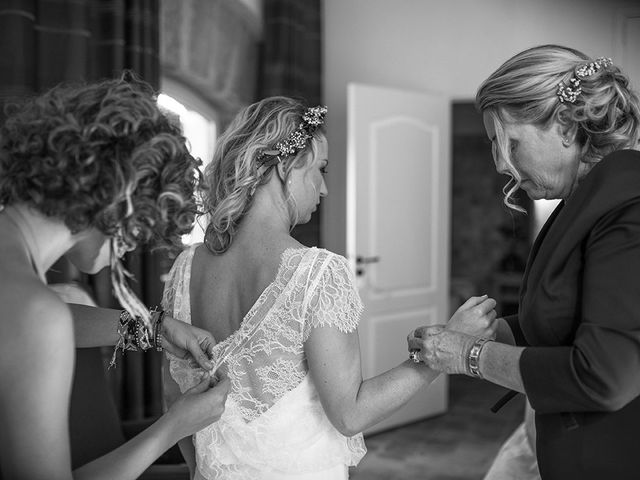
[232, 177]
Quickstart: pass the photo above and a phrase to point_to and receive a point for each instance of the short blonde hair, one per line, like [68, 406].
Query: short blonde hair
[524, 89]
[232, 176]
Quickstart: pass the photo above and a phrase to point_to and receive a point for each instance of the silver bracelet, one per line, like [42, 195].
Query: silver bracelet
[473, 359]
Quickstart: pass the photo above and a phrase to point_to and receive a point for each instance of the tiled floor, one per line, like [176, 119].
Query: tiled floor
[458, 445]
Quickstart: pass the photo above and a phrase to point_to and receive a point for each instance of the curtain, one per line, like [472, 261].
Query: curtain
[45, 42]
[211, 49]
[291, 60]
[291, 65]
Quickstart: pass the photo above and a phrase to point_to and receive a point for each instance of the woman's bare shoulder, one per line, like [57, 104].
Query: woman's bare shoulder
[37, 357]
[30, 310]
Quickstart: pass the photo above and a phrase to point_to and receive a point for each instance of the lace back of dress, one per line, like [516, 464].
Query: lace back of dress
[273, 419]
[266, 359]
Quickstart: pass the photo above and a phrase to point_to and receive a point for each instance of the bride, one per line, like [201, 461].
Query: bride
[285, 315]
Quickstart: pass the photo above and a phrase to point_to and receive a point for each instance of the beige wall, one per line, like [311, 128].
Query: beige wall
[441, 46]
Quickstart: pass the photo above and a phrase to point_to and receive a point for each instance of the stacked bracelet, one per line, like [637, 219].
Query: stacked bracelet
[134, 336]
[143, 336]
[473, 359]
[127, 332]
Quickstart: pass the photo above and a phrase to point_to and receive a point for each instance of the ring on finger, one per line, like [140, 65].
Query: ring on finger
[413, 355]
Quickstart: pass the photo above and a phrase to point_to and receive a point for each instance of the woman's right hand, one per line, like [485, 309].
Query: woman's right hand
[183, 340]
[475, 317]
[199, 406]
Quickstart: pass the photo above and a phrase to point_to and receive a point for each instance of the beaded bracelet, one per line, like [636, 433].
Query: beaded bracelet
[134, 336]
[157, 337]
[127, 332]
[143, 336]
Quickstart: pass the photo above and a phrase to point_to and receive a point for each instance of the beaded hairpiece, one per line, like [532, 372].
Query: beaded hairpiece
[311, 119]
[569, 93]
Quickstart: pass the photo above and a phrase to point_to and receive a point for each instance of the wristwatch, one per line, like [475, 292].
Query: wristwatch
[473, 360]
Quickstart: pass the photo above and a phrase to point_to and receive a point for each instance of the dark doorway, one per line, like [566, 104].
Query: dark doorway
[490, 242]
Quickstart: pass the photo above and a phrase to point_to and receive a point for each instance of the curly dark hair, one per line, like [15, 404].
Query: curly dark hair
[101, 155]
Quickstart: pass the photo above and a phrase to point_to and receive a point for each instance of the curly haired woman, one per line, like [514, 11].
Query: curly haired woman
[87, 172]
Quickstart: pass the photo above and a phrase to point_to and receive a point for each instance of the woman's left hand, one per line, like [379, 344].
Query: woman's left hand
[441, 349]
[184, 340]
[476, 316]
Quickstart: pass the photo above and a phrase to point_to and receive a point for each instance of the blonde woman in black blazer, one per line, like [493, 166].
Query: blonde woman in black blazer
[565, 126]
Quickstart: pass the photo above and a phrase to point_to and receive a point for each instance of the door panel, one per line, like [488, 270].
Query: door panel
[398, 219]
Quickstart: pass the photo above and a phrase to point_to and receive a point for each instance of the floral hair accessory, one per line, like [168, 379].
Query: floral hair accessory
[569, 93]
[311, 119]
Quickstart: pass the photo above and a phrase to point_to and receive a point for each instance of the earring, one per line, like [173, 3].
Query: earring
[566, 142]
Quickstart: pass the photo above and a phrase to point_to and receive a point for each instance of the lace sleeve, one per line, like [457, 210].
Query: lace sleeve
[169, 292]
[175, 301]
[175, 297]
[334, 300]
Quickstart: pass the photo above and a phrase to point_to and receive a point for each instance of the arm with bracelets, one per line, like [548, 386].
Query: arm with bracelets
[100, 327]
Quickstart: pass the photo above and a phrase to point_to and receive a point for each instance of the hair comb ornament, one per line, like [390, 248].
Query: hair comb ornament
[593, 67]
[311, 119]
[569, 93]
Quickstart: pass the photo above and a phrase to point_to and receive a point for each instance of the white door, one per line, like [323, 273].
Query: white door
[398, 204]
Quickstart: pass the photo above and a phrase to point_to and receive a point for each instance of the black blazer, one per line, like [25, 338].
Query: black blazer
[579, 315]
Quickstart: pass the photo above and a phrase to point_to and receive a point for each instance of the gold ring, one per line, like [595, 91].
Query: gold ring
[413, 355]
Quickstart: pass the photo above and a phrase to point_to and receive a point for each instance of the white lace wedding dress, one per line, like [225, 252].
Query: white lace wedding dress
[274, 426]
